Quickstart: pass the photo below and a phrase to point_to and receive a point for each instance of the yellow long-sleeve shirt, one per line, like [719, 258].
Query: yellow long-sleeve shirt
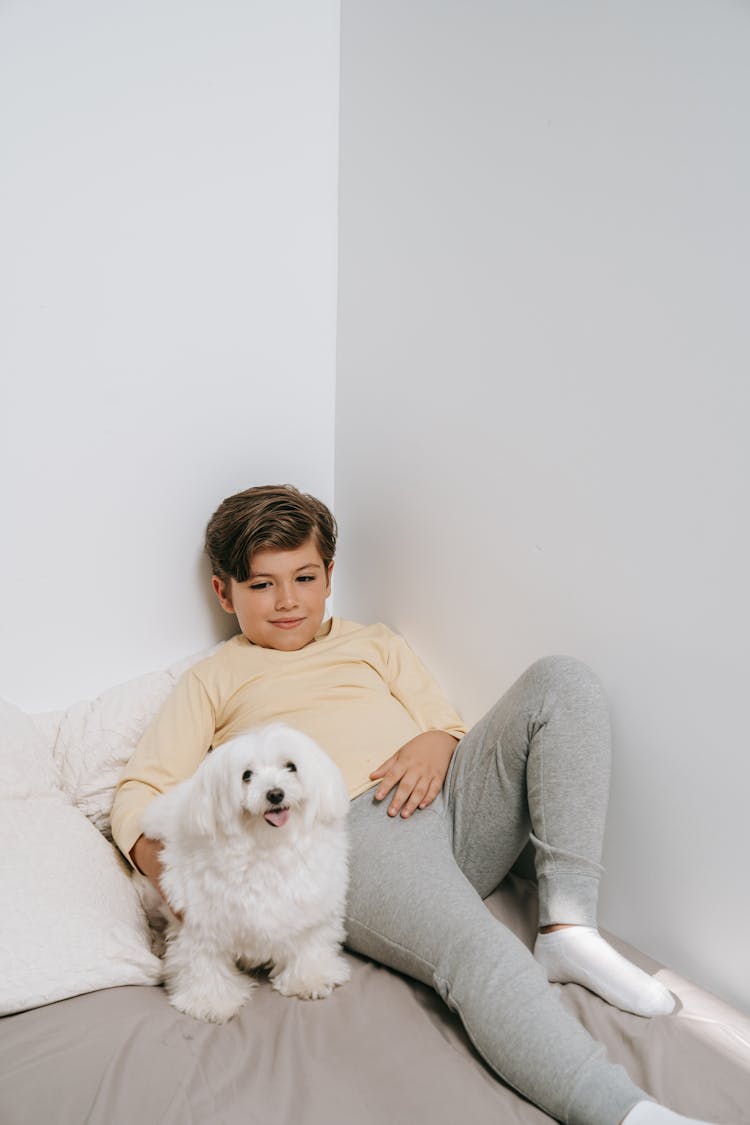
[358, 690]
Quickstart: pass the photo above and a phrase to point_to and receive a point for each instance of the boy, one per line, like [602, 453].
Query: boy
[462, 805]
[271, 551]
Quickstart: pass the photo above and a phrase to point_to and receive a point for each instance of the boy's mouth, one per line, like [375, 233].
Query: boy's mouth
[277, 817]
[288, 622]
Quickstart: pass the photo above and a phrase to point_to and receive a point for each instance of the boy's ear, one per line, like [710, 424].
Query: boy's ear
[222, 593]
[328, 578]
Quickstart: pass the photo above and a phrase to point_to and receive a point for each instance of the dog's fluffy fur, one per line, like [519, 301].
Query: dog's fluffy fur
[255, 863]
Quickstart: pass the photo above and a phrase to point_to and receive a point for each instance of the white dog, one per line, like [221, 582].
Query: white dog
[255, 863]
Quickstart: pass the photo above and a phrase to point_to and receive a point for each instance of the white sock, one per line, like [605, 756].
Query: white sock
[581, 955]
[649, 1113]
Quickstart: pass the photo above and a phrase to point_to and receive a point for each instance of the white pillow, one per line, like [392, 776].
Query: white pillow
[94, 740]
[71, 920]
[27, 768]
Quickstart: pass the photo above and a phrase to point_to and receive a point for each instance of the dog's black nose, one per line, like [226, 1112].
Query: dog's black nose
[275, 796]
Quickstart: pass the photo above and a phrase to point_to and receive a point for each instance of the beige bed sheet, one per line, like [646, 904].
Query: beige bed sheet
[381, 1050]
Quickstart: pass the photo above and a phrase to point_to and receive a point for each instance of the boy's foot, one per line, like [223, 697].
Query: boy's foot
[580, 955]
[649, 1113]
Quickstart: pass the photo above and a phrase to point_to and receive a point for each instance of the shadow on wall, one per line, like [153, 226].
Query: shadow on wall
[223, 625]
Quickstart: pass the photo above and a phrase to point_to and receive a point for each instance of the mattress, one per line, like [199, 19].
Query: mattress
[381, 1049]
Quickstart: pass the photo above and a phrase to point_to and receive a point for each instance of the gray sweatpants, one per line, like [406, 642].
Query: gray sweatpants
[537, 765]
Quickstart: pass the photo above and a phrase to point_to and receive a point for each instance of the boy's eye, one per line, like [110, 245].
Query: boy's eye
[247, 775]
[259, 585]
[291, 767]
[306, 578]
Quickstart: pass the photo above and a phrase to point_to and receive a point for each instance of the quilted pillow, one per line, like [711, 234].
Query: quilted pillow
[71, 920]
[93, 740]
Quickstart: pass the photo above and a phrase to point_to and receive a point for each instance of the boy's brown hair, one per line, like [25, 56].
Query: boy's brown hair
[276, 516]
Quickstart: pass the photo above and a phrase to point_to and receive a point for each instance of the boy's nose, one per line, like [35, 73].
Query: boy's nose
[285, 598]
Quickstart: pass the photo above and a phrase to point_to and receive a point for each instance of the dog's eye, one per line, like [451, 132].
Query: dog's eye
[247, 775]
[291, 767]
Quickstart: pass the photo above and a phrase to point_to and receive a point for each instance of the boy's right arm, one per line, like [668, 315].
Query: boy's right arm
[146, 856]
[171, 749]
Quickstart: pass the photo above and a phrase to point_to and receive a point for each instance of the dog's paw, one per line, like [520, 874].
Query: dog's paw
[304, 989]
[217, 1008]
[312, 981]
[202, 1009]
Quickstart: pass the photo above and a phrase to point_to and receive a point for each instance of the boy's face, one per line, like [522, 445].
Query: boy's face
[283, 602]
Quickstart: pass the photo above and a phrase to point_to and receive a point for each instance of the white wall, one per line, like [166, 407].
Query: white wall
[168, 293]
[543, 404]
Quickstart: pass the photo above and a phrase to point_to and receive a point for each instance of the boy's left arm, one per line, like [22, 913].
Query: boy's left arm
[418, 769]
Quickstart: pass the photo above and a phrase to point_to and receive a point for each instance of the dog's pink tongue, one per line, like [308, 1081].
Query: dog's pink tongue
[277, 817]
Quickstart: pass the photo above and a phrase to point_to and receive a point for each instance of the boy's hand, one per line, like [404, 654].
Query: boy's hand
[418, 771]
[146, 855]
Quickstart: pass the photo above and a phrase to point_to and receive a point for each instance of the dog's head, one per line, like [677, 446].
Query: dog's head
[267, 778]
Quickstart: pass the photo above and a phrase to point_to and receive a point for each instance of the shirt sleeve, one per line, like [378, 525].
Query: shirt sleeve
[170, 750]
[413, 686]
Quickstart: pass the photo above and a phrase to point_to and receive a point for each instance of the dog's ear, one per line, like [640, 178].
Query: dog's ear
[328, 796]
[213, 802]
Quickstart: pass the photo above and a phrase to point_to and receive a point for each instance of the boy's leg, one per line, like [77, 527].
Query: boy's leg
[538, 765]
[411, 907]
